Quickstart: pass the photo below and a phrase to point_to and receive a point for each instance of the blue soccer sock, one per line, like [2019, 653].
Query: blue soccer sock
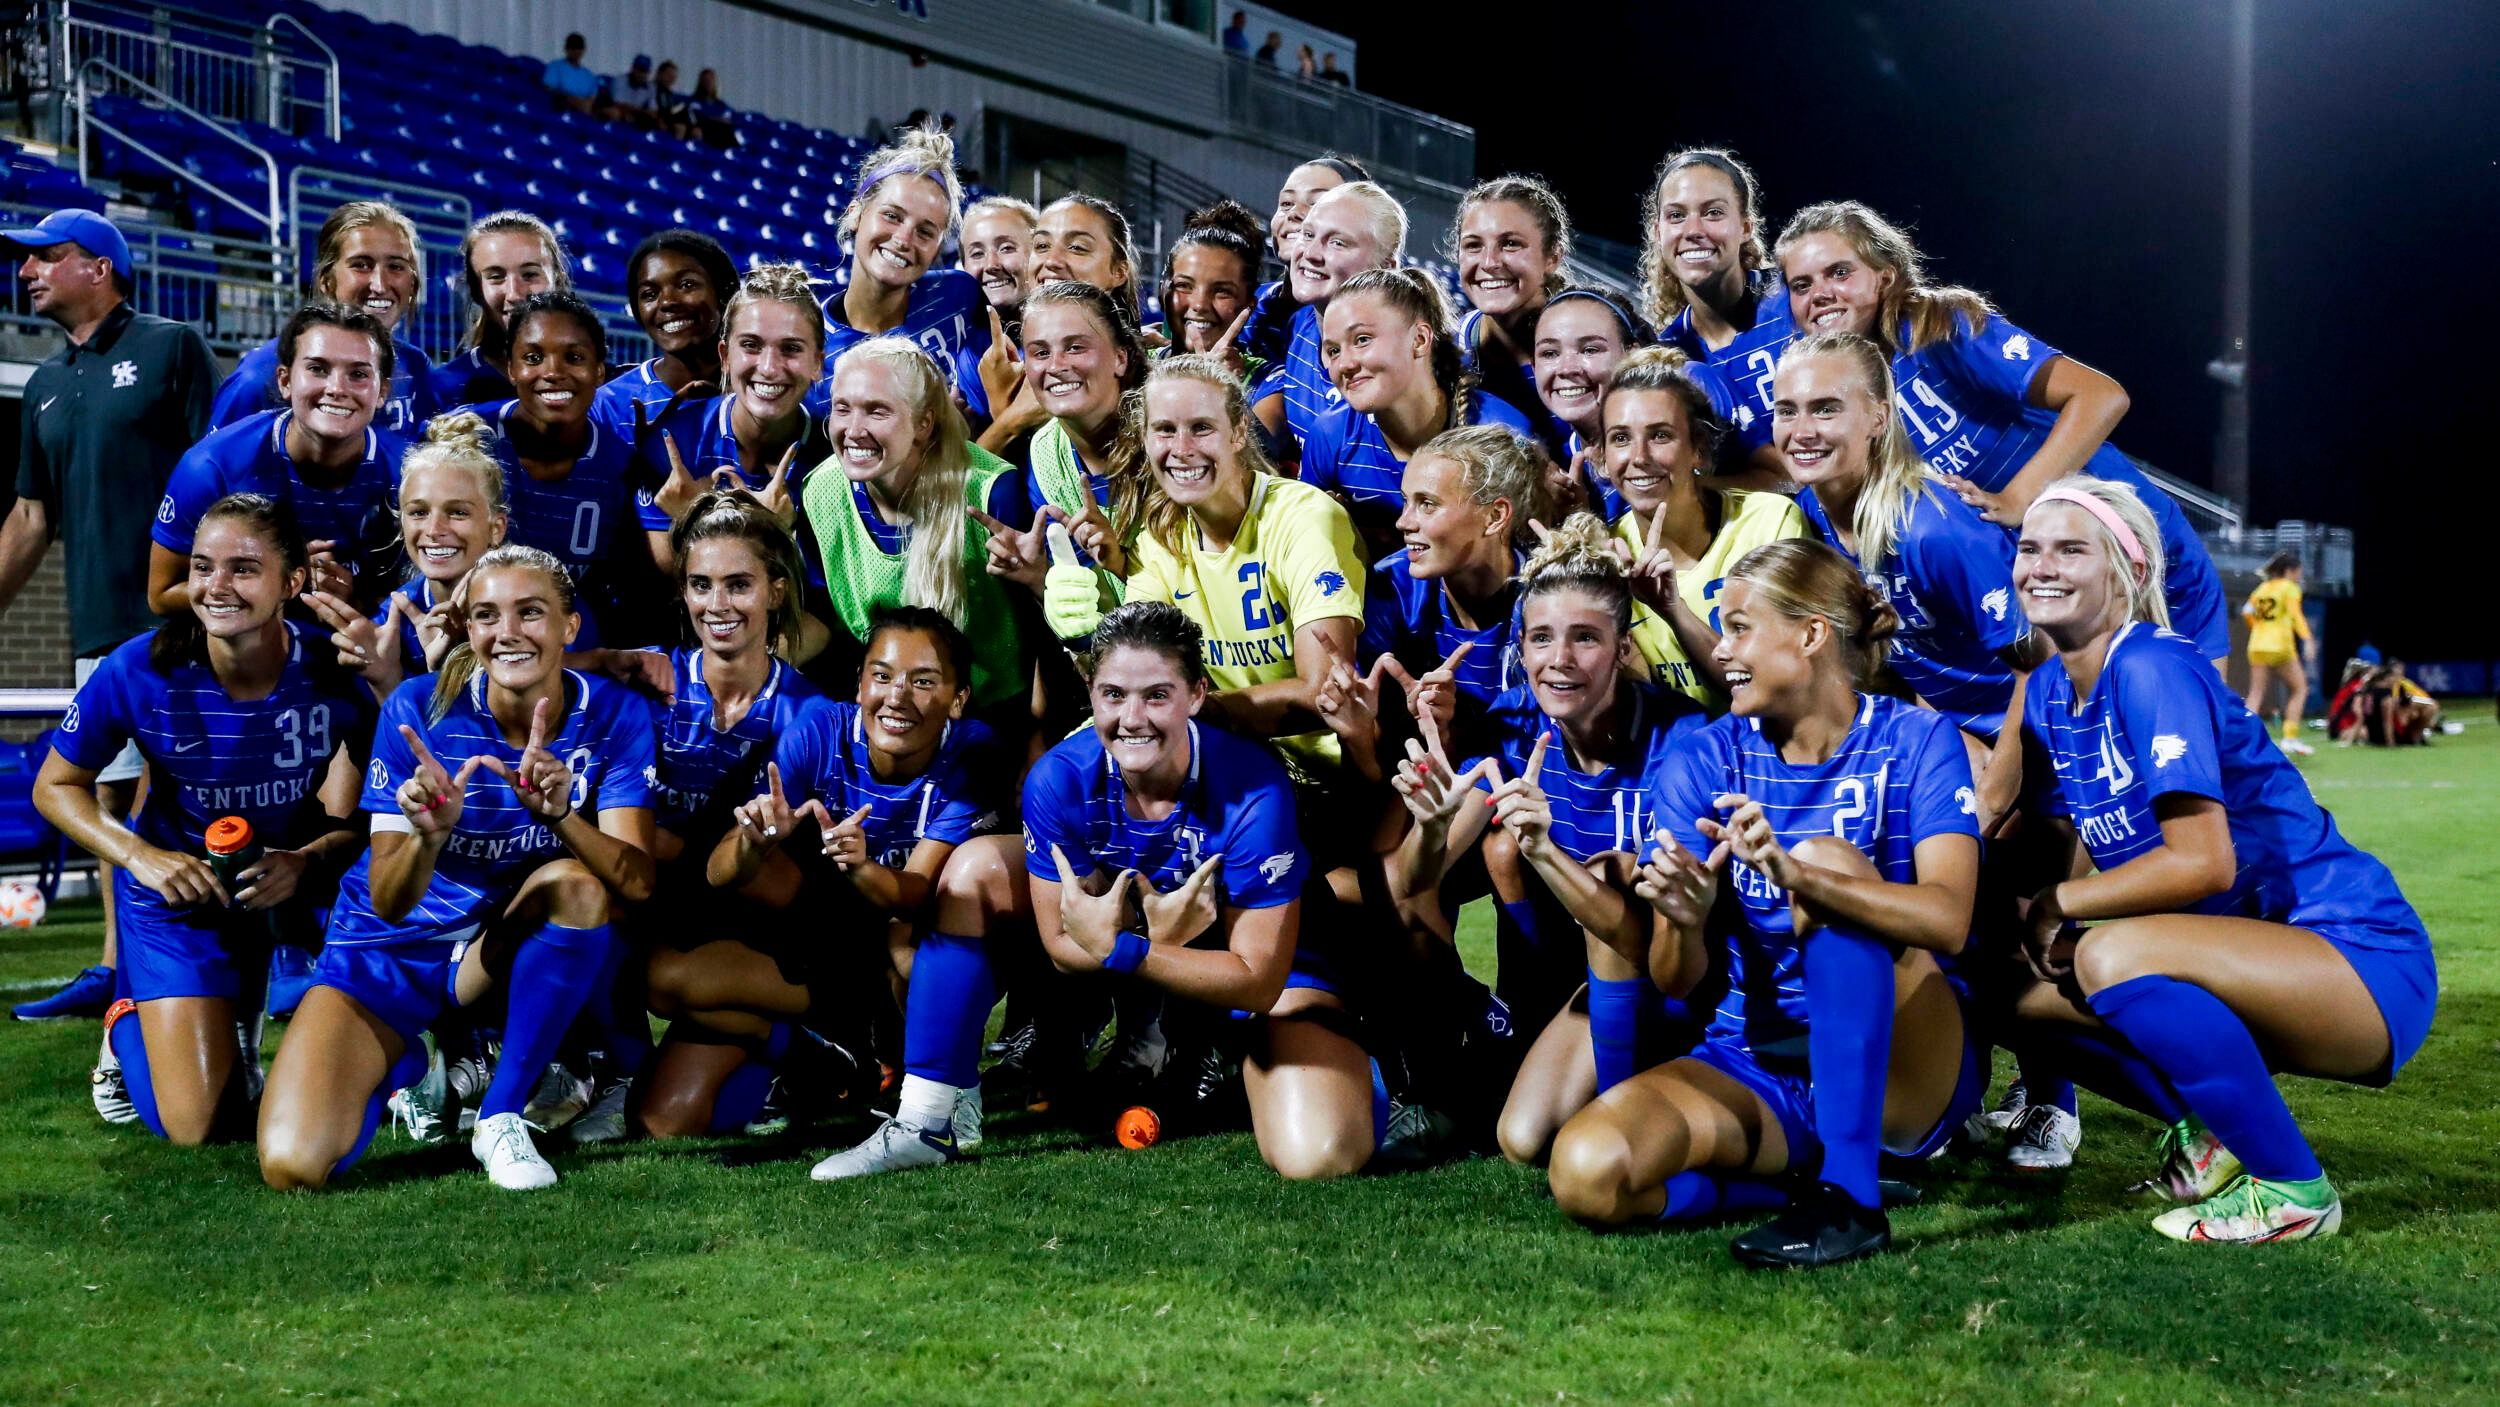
[2205, 1049]
[952, 991]
[1848, 977]
[1522, 914]
[741, 1096]
[2047, 1089]
[130, 1047]
[410, 1069]
[624, 1033]
[1698, 1196]
[2105, 1065]
[1615, 1012]
[552, 976]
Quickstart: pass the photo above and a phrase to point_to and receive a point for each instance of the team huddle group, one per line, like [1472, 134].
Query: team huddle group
[1823, 702]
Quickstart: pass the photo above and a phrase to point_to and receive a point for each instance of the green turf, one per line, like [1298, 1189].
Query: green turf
[1052, 1270]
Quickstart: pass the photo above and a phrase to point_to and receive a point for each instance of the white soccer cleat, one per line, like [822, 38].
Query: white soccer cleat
[111, 1094]
[604, 1120]
[2194, 1164]
[2009, 1110]
[2045, 1140]
[967, 1121]
[2252, 1212]
[559, 1099]
[894, 1147]
[502, 1144]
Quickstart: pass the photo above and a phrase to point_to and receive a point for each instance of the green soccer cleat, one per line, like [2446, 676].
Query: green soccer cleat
[2194, 1164]
[2252, 1211]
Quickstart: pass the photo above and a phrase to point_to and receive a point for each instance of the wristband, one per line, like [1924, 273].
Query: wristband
[1128, 953]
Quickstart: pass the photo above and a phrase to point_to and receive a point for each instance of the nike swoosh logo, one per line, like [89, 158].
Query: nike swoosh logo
[47, 405]
[186, 747]
[1183, 595]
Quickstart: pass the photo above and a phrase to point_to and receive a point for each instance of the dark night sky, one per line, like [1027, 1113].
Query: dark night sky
[2067, 160]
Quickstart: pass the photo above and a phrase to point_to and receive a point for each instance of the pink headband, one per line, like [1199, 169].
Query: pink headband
[2091, 503]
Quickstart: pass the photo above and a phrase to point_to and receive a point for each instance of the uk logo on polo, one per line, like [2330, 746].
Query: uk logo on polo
[125, 373]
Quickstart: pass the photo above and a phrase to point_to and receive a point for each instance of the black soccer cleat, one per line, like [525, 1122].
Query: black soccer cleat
[1822, 1226]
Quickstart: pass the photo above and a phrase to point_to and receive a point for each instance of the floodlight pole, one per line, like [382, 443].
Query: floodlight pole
[2231, 367]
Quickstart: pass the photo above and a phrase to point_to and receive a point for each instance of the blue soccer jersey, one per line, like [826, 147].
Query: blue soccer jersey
[1745, 365]
[1966, 401]
[1511, 380]
[1410, 618]
[1608, 809]
[253, 388]
[470, 380]
[577, 517]
[1950, 576]
[1301, 377]
[944, 313]
[698, 757]
[1237, 803]
[708, 445]
[825, 755]
[1345, 454]
[250, 456]
[606, 738]
[639, 386]
[422, 594]
[1899, 778]
[2160, 721]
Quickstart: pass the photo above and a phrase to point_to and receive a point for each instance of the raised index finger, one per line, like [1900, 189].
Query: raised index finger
[538, 726]
[416, 745]
[1449, 666]
[1241, 320]
[1536, 757]
[1657, 526]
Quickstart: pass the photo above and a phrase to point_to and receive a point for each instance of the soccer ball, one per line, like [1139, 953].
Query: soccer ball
[21, 904]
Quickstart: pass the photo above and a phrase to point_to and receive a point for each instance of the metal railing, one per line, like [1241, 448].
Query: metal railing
[82, 100]
[2325, 553]
[227, 70]
[1298, 115]
[231, 289]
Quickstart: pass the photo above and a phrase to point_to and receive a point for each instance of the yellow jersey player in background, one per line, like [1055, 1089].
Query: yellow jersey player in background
[2278, 636]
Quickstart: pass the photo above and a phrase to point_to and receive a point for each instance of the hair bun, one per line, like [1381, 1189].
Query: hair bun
[1878, 623]
[1231, 216]
[460, 432]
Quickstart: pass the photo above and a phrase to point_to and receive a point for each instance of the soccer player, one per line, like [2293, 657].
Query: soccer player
[2275, 622]
[1581, 336]
[1843, 820]
[1154, 813]
[1660, 439]
[1085, 237]
[321, 456]
[903, 214]
[1445, 603]
[571, 477]
[1579, 740]
[893, 783]
[1082, 356]
[1708, 285]
[997, 245]
[1402, 379]
[1270, 328]
[491, 875]
[507, 256]
[758, 434]
[1996, 412]
[1209, 281]
[1354, 227]
[894, 524]
[241, 716]
[678, 282]
[1511, 239]
[1267, 567]
[2234, 931]
[367, 257]
[452, 511]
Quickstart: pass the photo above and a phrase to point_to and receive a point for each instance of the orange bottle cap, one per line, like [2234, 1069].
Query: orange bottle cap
[1139, 1127]
[228, 835]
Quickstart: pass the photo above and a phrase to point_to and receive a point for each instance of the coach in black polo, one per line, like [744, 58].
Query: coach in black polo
[106, 417]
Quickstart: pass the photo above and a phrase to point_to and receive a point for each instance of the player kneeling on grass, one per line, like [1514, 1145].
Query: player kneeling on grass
[1163, 850]
[889, 783]
[494, 873]
[1581, 738]
[241, 715]
[1848, 820]
[2236, 932]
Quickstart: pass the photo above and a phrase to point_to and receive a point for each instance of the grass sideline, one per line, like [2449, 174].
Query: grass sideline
[1052, 1270]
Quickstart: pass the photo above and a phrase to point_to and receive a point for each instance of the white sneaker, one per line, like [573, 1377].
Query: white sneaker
[967, 1121]
[111, 1093]
[892, 1148]
[2045, 1140]
[2009, 1110]
[2297, 748]
[421, 1108]
[559, 1099]
[502, 1144]
[604, 1120]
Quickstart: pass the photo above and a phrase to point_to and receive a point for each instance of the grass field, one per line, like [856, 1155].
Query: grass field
[1054, 1271]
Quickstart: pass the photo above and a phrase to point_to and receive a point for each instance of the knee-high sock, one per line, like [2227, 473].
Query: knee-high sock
[2103, 1064]
[741, 1096]
[2205, 1049]
[552, 975]
[130, 1047]
[1699, 1196]
[951, 994]
[2047, 1087]
[1848, 1045]
[624, 1032]
[1615, 1012]
[409, 1070]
